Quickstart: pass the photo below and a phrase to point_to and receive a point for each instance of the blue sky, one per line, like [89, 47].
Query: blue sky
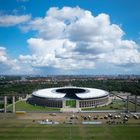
[69, 37]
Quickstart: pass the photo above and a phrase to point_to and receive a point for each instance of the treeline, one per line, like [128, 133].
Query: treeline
[112, 85]
[109, 85]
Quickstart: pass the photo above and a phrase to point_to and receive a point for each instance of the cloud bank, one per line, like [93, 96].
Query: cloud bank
[73, 38]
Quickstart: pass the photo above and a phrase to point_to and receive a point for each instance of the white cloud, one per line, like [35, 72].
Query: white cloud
[6, 62]
[123, 57]
[54, 53]
[2, 54]
[11, 20]
[72, 38]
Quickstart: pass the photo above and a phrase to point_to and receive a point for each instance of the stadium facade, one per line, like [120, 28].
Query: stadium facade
[60, 97]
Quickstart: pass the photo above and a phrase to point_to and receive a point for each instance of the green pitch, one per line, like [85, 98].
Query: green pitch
[71, 103]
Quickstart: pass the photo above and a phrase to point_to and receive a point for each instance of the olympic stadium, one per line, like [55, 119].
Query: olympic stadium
[60, 97]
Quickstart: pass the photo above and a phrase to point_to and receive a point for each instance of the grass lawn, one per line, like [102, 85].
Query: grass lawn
[116, 105]
[131, 107]
[23, 106]
[29, 131]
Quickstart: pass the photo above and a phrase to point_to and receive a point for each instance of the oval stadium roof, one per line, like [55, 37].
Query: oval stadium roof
[89, 93]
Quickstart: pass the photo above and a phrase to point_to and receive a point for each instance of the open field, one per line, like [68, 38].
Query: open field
[26, 126]
[117, 104]
[17, 129]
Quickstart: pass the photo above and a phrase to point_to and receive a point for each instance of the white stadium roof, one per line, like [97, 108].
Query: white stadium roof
[93, 93]
[89, 93]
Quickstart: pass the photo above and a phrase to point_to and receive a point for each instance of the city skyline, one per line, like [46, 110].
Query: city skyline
[69, 37]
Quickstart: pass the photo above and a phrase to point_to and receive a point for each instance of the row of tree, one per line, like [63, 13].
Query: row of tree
[109, 85]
